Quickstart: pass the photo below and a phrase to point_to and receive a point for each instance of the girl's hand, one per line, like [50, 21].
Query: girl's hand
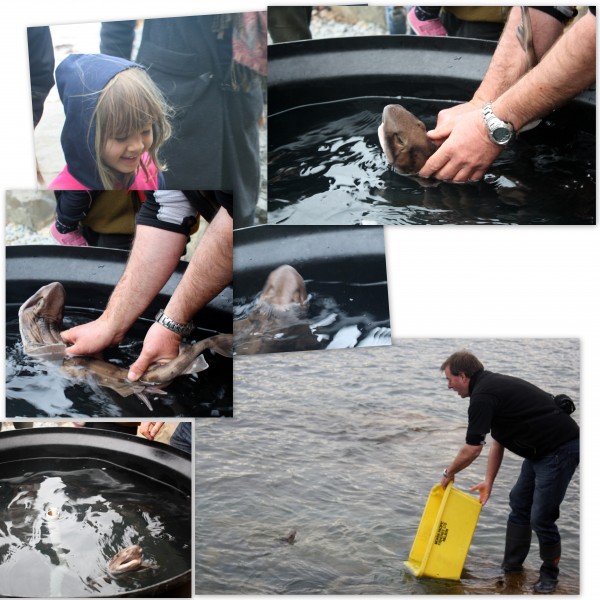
[149, 429]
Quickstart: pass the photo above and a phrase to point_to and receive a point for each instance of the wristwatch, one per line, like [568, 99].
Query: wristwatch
[500, 132]
[182, 330]
[445, 474]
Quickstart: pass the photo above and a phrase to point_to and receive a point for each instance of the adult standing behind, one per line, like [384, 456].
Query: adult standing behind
[289, 23]
[211, 69]
[163, 225]
[41, 68]
[472, 135]
[41, 73]
[534, 425]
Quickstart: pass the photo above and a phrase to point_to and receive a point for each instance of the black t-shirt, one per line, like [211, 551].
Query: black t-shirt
[176, 210]
[518, 414]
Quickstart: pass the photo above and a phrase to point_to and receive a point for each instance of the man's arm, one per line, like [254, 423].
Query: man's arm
[493, 466]
[466, 455]
[508, 65]
[209, 272]
[509, 62]
[154, 257]
[568, 68]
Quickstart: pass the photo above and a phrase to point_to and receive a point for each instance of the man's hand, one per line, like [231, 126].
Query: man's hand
[90, 338]
[149, 429]
[444, 481]
[484, 489]
[467, 153]
[448, 117]
[160, 345]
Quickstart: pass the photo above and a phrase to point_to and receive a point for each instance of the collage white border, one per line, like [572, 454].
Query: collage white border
[475, 281]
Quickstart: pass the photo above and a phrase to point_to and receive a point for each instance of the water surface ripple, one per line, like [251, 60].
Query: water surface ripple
[344, 447]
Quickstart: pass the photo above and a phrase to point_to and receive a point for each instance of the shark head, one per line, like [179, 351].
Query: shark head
[40, 322]
[404, 140]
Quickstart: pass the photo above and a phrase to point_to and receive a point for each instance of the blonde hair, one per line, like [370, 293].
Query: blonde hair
[127, 103]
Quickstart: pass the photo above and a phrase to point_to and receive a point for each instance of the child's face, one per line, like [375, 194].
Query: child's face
[123, 154]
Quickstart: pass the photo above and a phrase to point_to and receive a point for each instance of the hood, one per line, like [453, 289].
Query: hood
[80, 78]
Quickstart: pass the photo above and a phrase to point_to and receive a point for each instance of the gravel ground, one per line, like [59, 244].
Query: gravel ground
[22, 235]
[327, 24]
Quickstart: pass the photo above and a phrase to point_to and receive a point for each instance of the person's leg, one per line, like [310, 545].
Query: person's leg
[518, 527]
[182, 437]
[553, 475]
[395, 17]
[289, 23]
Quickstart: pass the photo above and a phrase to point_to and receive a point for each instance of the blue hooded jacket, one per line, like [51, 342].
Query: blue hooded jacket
[80, 78]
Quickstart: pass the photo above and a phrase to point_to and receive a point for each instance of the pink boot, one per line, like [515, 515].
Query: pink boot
[429, 27]
[73, 238]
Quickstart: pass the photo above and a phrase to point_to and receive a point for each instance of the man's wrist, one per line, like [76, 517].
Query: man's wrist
[182, 329]
[499, 131]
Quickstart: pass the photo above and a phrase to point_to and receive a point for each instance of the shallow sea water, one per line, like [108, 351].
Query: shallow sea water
[326, 167]
[345, 446]
[101, 509]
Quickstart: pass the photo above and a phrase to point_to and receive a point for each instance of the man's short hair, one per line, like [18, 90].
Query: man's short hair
[462, 362]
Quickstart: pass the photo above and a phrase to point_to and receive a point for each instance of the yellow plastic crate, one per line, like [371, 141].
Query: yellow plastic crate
[447, 526]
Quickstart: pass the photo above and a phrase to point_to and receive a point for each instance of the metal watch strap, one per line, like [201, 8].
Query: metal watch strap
[494, 123]
[165, 321]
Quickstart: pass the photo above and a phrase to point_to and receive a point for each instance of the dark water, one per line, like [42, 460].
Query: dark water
[102, 509]
[345, 447]
[339, 314]
[326, 167]
[36, 388]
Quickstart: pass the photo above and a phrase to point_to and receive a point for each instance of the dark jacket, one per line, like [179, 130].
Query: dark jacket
[41, 68]
[518, 414]
[215, 142]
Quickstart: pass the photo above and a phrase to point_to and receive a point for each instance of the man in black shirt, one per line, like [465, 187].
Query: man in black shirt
[529, 422]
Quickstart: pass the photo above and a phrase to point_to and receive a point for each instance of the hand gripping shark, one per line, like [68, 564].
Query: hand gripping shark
[40, 323]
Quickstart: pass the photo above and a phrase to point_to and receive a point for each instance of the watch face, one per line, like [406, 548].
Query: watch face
[501, 135]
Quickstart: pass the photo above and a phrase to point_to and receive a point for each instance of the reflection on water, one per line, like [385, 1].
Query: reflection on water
[61, 520]
[326, 166]
[36, 388]
[345, 447]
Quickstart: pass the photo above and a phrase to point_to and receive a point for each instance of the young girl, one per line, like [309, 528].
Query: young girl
[115, 121]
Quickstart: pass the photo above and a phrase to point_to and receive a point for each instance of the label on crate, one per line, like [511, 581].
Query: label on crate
[442, 533]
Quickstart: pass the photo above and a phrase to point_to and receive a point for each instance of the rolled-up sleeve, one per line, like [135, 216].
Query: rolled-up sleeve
[168, 209]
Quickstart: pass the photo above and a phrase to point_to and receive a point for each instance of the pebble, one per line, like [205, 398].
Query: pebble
[21, 235]
[324, 26]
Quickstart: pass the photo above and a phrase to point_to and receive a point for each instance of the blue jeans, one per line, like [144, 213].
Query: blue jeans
[182, 437]
[541, 487]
